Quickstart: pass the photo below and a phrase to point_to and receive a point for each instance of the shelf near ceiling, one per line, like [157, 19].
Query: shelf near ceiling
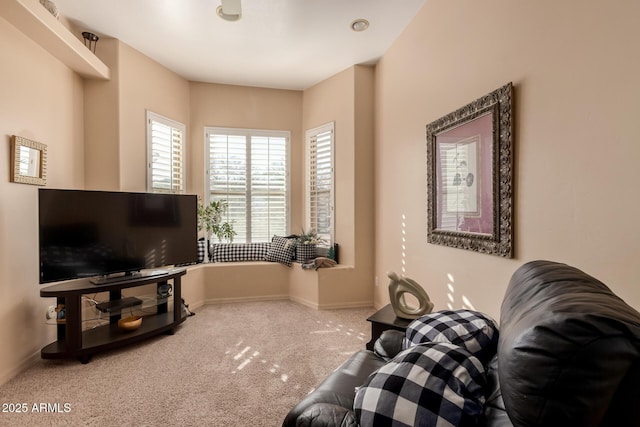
[30, 17]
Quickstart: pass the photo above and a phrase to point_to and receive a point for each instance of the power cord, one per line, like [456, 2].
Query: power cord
[185, 306]
[93, 305]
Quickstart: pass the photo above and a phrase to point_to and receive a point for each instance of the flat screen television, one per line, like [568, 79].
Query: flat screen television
[97, 234]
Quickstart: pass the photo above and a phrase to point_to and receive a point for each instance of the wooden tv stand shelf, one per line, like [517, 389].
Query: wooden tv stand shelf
[73, 342]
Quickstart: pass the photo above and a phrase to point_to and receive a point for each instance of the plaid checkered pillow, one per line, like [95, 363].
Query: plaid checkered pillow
[431, 384]
[232, 252]
[474, 331]
[281, 250]
[202, 249]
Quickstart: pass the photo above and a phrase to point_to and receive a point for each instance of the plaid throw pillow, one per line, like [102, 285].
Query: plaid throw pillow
[281, 250]
[474, 331]
[202, 250]
[431, 384]
[233, 252]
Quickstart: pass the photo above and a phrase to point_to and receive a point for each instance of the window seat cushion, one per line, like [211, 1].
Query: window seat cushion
[233, 252]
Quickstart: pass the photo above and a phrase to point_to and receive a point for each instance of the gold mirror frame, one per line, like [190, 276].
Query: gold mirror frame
[28, 161]
[479, 132]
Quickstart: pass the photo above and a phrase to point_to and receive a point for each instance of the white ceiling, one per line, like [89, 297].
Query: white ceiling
[286, 44]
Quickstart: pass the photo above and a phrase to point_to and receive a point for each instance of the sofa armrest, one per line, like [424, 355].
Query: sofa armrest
[339, 388]
[326, 415]
[568, 350]
[389, 344]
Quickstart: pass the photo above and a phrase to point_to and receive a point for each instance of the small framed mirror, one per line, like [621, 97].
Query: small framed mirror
[28, 161]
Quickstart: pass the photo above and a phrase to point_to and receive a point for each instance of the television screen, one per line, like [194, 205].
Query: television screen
[97, 233]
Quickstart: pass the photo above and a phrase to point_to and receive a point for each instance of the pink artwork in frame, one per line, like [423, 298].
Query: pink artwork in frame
[469, 179]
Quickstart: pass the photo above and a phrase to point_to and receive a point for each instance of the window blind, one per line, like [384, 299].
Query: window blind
[165, 142]
[320, 181]
[249, 169]
[268, 187]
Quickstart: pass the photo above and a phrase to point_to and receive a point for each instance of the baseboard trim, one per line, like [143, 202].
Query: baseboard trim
[26, 364]
[355, 304]
[316, 306]
[195, 305]
[303, 302]
[246, 299]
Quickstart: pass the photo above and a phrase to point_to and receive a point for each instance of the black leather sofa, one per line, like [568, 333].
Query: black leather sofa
[568, 355]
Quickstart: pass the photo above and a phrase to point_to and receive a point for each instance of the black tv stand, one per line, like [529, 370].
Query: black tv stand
[74, 342]
[105, 280]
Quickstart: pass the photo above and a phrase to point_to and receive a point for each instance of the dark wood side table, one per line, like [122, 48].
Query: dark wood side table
[385, 319]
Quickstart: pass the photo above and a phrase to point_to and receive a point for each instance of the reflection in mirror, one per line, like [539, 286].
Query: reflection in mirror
[28, 161]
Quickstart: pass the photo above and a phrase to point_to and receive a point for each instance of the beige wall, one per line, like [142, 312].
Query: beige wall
[334, 100]
[576, 140]
[145, 85]
[363, 170]
[347, 100]
[41, 100]
[115, 125]
[246, 108]
[102, 124]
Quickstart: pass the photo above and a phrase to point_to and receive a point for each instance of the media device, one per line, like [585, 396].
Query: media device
[97, 234]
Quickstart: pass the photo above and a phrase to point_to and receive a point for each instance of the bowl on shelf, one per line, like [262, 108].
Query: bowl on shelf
[130, 323]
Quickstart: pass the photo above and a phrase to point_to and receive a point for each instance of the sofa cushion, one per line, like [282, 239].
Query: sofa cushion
[389, 344]
[282, 250]
[495, 414]
[234, 252]
[568, 351]
[430, 384]
[474, 331]
[326, 414]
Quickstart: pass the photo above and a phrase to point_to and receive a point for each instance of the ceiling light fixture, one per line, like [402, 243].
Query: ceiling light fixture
[359, 25]
[229, 10]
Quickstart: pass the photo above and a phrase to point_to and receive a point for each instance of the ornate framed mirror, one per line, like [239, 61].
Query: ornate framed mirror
[28, 161]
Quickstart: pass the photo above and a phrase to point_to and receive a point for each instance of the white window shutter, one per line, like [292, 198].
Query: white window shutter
[165, 146]
[249, 169]
[320, 181]
[268, 187]
[227, 156]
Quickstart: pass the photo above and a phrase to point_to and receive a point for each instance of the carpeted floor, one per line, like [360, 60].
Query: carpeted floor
[232, 365]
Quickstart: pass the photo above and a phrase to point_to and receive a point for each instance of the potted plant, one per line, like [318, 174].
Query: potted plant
[210, 220]
[306, 247]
